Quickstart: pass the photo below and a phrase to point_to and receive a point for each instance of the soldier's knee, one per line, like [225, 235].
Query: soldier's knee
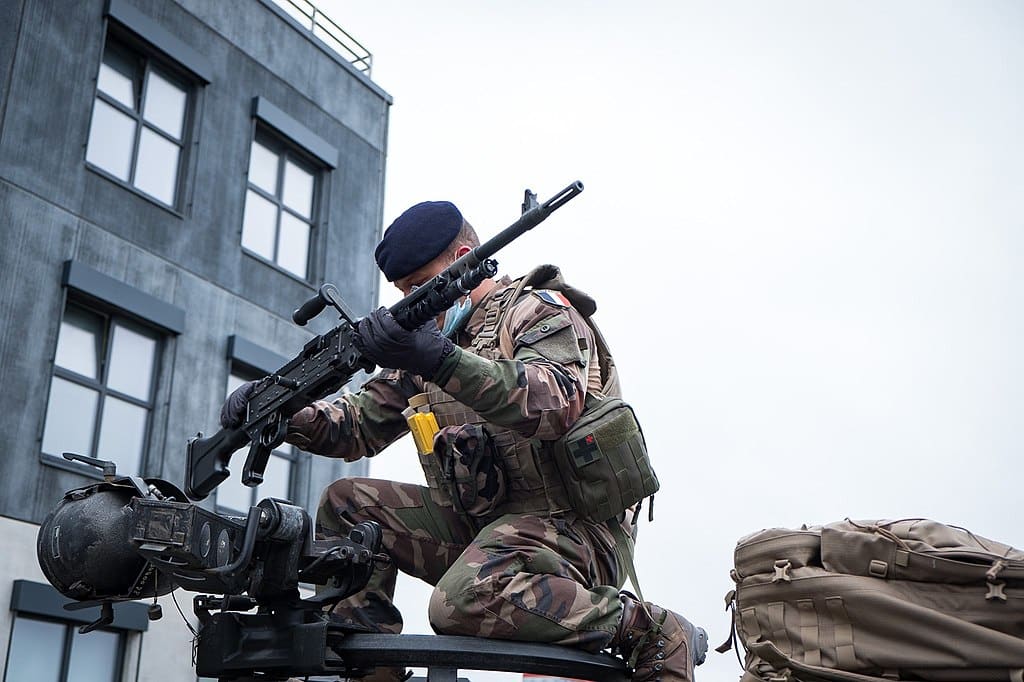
[338, 501]
[450, 605]
[325, 509]
[347, 494]
[343, 488]
[437, 613]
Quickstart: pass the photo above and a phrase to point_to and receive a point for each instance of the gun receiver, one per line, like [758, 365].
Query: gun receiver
[327, 362]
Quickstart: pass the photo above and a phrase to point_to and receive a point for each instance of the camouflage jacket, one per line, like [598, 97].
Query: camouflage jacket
[528, 389]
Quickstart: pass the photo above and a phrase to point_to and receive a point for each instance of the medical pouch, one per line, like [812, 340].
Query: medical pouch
[603, 461]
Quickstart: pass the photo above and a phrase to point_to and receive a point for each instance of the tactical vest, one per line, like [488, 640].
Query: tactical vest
[533, 481]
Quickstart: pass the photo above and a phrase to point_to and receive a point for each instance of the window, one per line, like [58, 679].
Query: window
[101, 392]
[45, 650]
[233, 496]
[279, 216]
[288, 165]
[139, 122]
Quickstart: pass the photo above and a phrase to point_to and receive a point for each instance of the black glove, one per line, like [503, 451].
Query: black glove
[234, 409]
[379, 337]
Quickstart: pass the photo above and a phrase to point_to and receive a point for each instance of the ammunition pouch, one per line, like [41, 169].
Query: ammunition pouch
[603, 460]
[470, 469]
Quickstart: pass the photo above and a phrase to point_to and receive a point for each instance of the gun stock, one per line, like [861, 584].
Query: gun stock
[207, 459]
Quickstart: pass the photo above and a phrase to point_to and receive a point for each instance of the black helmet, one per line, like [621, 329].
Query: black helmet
[84, 545]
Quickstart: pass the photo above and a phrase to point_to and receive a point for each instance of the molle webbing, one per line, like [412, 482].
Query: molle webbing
[875, 600]
[486, 340]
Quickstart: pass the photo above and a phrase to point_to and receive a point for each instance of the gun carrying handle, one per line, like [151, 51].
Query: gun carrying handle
[327, 296]
[310, 309]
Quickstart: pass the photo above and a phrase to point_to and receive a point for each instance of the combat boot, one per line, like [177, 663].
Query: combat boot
[658, 645]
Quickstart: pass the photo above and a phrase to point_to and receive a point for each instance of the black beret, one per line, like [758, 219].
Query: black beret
[417, 237]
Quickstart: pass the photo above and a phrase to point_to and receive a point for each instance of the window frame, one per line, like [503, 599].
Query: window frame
[42, 602]
[70, 632]
[148, 59]
[111, 316]
[318, 153]
[286, 150]
[91, 289]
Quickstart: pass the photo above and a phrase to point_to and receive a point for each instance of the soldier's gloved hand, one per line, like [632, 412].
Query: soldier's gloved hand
[233, 411]
[379, 337]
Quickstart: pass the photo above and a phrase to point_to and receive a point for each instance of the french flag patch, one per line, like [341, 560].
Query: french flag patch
[552, 297]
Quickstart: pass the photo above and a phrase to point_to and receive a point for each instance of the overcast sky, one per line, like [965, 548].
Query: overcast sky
[802, 224]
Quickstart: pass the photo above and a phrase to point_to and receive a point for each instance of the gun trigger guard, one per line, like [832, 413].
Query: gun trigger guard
[273, 433]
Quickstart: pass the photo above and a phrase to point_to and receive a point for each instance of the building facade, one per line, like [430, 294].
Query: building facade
[176, 176]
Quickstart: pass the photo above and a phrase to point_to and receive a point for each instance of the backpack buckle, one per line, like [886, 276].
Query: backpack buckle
[995, 590]
[781, 571]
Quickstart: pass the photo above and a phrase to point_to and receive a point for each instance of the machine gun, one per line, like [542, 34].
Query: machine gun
[327, 362]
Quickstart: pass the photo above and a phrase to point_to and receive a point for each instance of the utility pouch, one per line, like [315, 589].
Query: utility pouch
[471, 469]
[603, 460]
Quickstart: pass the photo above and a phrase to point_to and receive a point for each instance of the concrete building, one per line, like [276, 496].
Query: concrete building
[176, 176]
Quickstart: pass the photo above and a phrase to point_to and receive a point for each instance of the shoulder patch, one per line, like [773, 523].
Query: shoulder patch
[552, 297]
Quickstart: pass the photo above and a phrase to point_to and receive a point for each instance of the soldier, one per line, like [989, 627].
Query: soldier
[507, 371]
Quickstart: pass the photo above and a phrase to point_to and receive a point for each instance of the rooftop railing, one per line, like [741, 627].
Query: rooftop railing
[327, 30]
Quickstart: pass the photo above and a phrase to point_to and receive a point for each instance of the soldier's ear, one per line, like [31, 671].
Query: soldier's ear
[462, 251]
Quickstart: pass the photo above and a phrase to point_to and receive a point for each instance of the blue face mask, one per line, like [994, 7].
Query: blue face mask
[456, 316]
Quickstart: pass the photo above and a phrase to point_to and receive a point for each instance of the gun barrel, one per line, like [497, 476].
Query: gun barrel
[526, 222]
[565, 195]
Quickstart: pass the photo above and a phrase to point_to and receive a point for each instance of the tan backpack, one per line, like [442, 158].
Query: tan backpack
[878, 600]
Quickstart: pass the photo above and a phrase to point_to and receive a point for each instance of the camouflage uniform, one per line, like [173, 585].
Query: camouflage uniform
[525, 568]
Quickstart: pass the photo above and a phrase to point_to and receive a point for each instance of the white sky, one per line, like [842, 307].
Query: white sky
[802, 223]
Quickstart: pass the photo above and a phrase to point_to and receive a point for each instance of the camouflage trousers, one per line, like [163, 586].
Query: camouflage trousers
[520, 577]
